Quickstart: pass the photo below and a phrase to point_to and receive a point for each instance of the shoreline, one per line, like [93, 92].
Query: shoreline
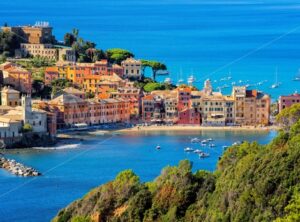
[196, 128]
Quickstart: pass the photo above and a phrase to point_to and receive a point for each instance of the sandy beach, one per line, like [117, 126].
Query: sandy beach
[196, 128]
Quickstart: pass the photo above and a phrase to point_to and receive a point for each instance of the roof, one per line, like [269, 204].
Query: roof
[72, 90]
[17, 69]
[67, 98]
[9, 90]
[7, 119]
[132, 61]
[51, 69]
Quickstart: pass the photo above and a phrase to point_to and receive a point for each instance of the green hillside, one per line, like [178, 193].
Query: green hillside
[252, 183]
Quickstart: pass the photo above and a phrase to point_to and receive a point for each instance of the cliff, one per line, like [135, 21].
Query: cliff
[252, 183]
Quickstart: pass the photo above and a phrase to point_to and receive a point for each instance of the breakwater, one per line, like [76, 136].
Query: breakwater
[17, 169]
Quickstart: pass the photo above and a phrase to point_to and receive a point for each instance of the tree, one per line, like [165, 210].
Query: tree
[27, 128]
[288, 116]
[154, 65]
[118, 55]
[9, 42]
[37, 85]
[69, 39]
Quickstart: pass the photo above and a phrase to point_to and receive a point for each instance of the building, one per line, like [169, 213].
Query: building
[10, 97]
[48, 51]
[132, 68]
[40, 33]
[251, 107]
[42, 50]
[288, 101]
[16, 76]
[10, 131]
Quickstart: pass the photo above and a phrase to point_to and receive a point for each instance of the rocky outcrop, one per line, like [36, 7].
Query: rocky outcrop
[17, 169]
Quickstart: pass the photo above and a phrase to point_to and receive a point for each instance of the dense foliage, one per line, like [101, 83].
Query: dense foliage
[9, 42]
[118, 55]
[154, 65]
[252, 183]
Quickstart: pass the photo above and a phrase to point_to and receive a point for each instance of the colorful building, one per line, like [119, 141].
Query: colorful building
[288, 101]
[16, 76]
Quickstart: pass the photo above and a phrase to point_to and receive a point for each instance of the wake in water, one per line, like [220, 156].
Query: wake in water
[60, 147]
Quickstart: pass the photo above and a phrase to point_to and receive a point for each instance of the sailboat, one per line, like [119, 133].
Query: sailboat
[297, 77]
[180, 81]
[276, 84]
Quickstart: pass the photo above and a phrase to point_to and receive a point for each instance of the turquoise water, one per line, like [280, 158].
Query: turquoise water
[72, 170]
[206, 38]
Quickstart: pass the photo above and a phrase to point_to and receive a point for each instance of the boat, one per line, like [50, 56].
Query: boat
[191, 80]
[297, 77]
[158, 147]
[195, 140]
[237, 143]
[225, 147]
[162, 72]
[188, 149]
[212, 145]
[198, 151]
[204, 141]
[203, 155]
[168, 80]
[210, 139]
[276, 84]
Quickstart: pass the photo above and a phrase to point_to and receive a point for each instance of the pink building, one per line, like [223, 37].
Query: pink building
[189, 116]
[287, 101]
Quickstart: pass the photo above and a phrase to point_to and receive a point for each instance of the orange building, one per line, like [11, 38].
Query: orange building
[16, 76]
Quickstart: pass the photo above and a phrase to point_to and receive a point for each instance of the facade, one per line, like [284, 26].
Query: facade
[10, 97]
[10, 130]
[132, 68]
[16, 76]
[71, 111]
[42, 50]
[40, 33]
[288, 101]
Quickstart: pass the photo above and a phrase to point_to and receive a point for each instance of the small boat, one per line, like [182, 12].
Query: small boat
[191, 80]
[224, 147]
[195, 140]
[168, 81]
[158, 147]
[212, 145]
[276, 84]
[210, 139]
[188, 149]
[203, 155]
[162, 72]
[204, 141]
[297, 77]
[236, 143]
[198, 151]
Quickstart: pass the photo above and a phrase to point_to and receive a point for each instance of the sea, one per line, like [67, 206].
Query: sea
[248, 40]
[71, 170]
[254, 42]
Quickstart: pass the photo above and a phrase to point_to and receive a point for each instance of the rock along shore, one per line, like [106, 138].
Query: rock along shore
[17, 169]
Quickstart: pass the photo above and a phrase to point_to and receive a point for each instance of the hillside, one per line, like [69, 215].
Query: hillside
[252, 183]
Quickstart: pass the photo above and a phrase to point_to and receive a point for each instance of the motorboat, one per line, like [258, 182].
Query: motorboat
[195, 140]
[210, 139]
[188, 149]
[236, 143]
[168, 81]
[158, 147]
[198, 151]
[212, 145]
[203, 155]
[225, 147]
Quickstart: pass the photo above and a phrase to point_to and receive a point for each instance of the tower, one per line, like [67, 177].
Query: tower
[207, 87]
[27, 109]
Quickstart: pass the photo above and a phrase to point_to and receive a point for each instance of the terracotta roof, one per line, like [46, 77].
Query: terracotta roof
[72, 90]
[66, 99]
